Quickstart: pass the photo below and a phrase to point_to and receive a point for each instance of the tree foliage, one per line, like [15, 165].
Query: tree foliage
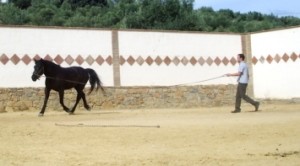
[136, 14]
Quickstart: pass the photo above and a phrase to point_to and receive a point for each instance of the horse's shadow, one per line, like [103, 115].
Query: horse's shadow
[93, 113]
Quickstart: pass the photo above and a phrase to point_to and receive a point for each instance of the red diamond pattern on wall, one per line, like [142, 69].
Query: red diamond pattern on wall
[15, 59]
[262, 59]
[4, 59]
[140, 60]
[131, 60]
[58, 59]
[69, 60]
[100, 60]
[254, 60]
[37, 57]
[149, 60]
[79, 60]
[122, 60]
[90, 60]
[26, 59]
[176, 61]
[157, 60]
[48, 58]
[285, 57]
[225, 61]
[209, 61]
[217, 61]
[193, 61]
[233, 61]
[167, 61]
[269, 59]
[294, 56]
[184, 61]
[201, 61]
[109, 60]
[277, 58]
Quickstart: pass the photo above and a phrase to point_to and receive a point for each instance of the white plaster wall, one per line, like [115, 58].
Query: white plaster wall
[180, 45]
[276, 80]
[276, 42]
[174, 75]
[53, 42]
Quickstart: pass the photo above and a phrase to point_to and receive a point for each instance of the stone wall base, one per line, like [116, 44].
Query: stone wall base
[22, 99]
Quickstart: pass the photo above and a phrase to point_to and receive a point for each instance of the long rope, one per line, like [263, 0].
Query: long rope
[104, 126]
[187, 83]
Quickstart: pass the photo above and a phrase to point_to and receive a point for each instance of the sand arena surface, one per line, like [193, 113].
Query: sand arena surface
[201, 136]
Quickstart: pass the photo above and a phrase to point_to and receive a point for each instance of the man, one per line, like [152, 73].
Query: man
[243, 78]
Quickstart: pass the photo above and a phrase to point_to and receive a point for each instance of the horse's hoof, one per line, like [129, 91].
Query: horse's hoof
[71, 113]
[40, 115]
[87, 107]
[67, 110]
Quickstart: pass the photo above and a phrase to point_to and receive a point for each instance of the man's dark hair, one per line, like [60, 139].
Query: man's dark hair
[242, 56]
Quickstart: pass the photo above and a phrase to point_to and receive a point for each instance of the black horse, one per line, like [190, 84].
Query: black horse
[59, 79]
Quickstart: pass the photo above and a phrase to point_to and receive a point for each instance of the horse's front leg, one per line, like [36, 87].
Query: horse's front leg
[61, 100]
[47, 93]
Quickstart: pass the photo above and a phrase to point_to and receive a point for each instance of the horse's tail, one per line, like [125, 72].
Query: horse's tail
[94, 80]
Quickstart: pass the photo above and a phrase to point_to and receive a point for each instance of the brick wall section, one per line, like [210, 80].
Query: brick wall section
[246, 45]
[23, 99]
[116, 58]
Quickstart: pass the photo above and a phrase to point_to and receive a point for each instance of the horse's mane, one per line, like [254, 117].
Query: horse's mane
[51, 64]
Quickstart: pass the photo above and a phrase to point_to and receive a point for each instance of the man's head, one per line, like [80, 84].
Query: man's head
[240, 57]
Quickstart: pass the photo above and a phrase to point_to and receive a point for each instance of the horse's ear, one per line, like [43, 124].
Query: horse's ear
[36, 60]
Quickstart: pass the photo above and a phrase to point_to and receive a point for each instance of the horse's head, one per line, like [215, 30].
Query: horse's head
[38, 69]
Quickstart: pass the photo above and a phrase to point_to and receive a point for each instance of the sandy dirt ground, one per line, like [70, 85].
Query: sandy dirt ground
[200, 136]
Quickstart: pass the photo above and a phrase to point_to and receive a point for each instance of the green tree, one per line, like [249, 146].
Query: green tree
[137, 14]
[12, 15]
[42, 13]
[83, 3]
[22, 4]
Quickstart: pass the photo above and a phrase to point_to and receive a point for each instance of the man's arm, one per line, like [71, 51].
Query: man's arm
[233, 74]
[239, 73]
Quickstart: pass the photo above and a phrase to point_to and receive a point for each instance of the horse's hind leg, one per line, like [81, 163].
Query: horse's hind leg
[61, 100]
[79, 95]
[86, 106]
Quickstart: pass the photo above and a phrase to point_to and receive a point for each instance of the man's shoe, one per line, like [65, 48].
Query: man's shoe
[236, 111]
[256, 106]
